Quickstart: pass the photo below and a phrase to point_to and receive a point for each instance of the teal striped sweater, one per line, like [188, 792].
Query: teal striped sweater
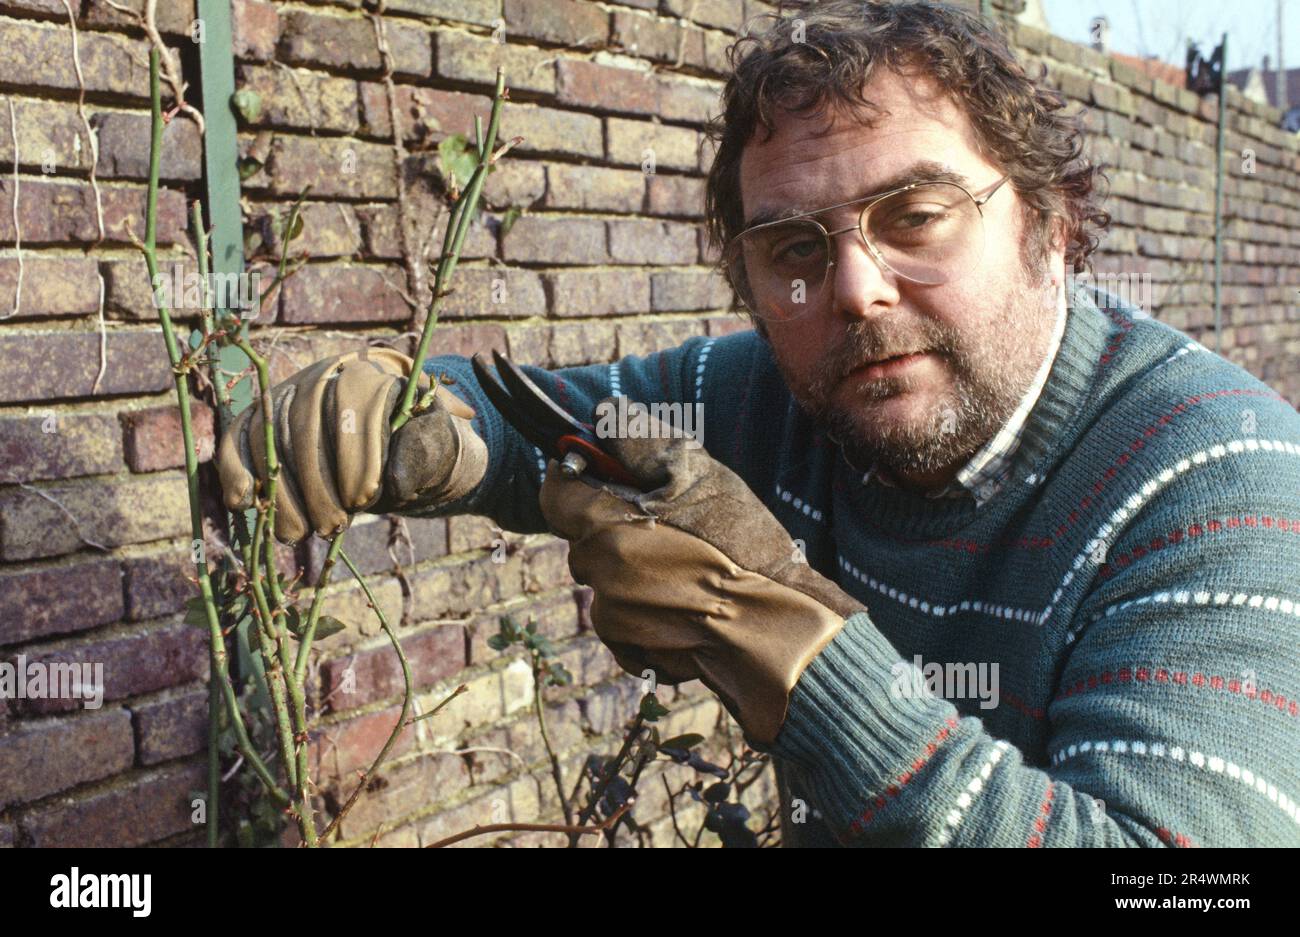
[1104, 654]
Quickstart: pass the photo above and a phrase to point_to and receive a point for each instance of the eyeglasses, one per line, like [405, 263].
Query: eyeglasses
[926, 232]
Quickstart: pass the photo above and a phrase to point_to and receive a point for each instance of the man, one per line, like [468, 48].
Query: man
[977, 561]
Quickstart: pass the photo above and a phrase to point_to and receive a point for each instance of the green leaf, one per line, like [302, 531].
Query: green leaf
[196, 612]
[558, 675]
[498, 642]
[541, 644]
[510, 217]
[651, 708]
[683, 742]
[327, 625]
[297, 226]
[247, 104]
[249, 166]
[293, 621]
[457, 160]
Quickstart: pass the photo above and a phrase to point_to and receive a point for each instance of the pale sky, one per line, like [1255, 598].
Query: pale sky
[1162, 27]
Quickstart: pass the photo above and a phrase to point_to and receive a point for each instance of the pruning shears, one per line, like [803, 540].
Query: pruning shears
[545, 424]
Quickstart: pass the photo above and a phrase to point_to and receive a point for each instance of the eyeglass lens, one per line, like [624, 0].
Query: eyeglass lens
[929, 234]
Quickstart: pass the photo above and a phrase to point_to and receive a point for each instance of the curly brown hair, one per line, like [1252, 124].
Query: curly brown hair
[814, 54]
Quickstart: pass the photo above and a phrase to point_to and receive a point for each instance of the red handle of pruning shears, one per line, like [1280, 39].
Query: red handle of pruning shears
[583, 455]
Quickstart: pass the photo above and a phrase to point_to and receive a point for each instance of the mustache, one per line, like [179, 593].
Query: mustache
[863, 345]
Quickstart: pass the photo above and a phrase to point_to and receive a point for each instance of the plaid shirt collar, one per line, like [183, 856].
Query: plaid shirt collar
[986, 472]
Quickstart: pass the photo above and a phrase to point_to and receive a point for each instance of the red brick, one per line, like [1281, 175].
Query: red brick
[591, 188]
[255, 28]
[142, 808]
[586, 84]
[681, 99]
[111, 513]
[58, 599]
[633, 142]
[158, 585]
[433, 655]
[298, 98]
[124, 141]
[51, 755]
[641, 241]
[330, 293]
[546, 565]
[39, 55]
[51, 212]
[332, 167]
[58, 444]
[133, 664]
[643, 338]
[171, 728]
[174, 16]
[493, 292]
[720, 14]
[479, 12]
[579, 343]
[367, 547]
[463, 57]
[312, 40]
[686, 291]
[341, 748]
[408, 788]
[42, 366]
[152, 437]
[682, 196]
[662, 40]
[556, 240]
[52, 286]
[598, 292]
[565, 22]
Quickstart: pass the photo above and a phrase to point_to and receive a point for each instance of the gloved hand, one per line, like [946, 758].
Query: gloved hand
[695, 578]
[332, 436]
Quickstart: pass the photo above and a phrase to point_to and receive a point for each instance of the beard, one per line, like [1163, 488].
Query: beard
[991, 366]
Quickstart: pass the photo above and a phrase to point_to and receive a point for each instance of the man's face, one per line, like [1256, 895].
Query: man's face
[984, 333]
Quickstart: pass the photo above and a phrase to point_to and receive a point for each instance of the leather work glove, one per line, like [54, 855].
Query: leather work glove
[332, 436]
[695, 578]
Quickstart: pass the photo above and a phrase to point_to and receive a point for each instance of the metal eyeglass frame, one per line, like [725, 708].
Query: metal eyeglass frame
[870, 201]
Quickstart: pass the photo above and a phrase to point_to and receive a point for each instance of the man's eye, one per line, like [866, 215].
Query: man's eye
[798, 250]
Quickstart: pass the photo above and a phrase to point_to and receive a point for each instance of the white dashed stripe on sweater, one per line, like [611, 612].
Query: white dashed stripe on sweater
[967, 797]
[939, 610]
[799, 504]
[615, 390]
[541, 465]
[1095, 549]
[1193, 758]
[1270, 603]
[699, 368]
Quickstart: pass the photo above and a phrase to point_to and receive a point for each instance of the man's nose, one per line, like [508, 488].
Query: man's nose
[861, 284]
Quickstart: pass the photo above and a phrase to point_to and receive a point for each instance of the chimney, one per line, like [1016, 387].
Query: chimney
[1100, 30]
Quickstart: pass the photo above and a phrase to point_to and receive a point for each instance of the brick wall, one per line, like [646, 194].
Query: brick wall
[603, 260]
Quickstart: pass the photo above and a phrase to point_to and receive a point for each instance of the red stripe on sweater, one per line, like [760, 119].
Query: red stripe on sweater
[857, 827]
[1180, 678]
[1181, 535]
[1180, 840]
[1040, 822]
